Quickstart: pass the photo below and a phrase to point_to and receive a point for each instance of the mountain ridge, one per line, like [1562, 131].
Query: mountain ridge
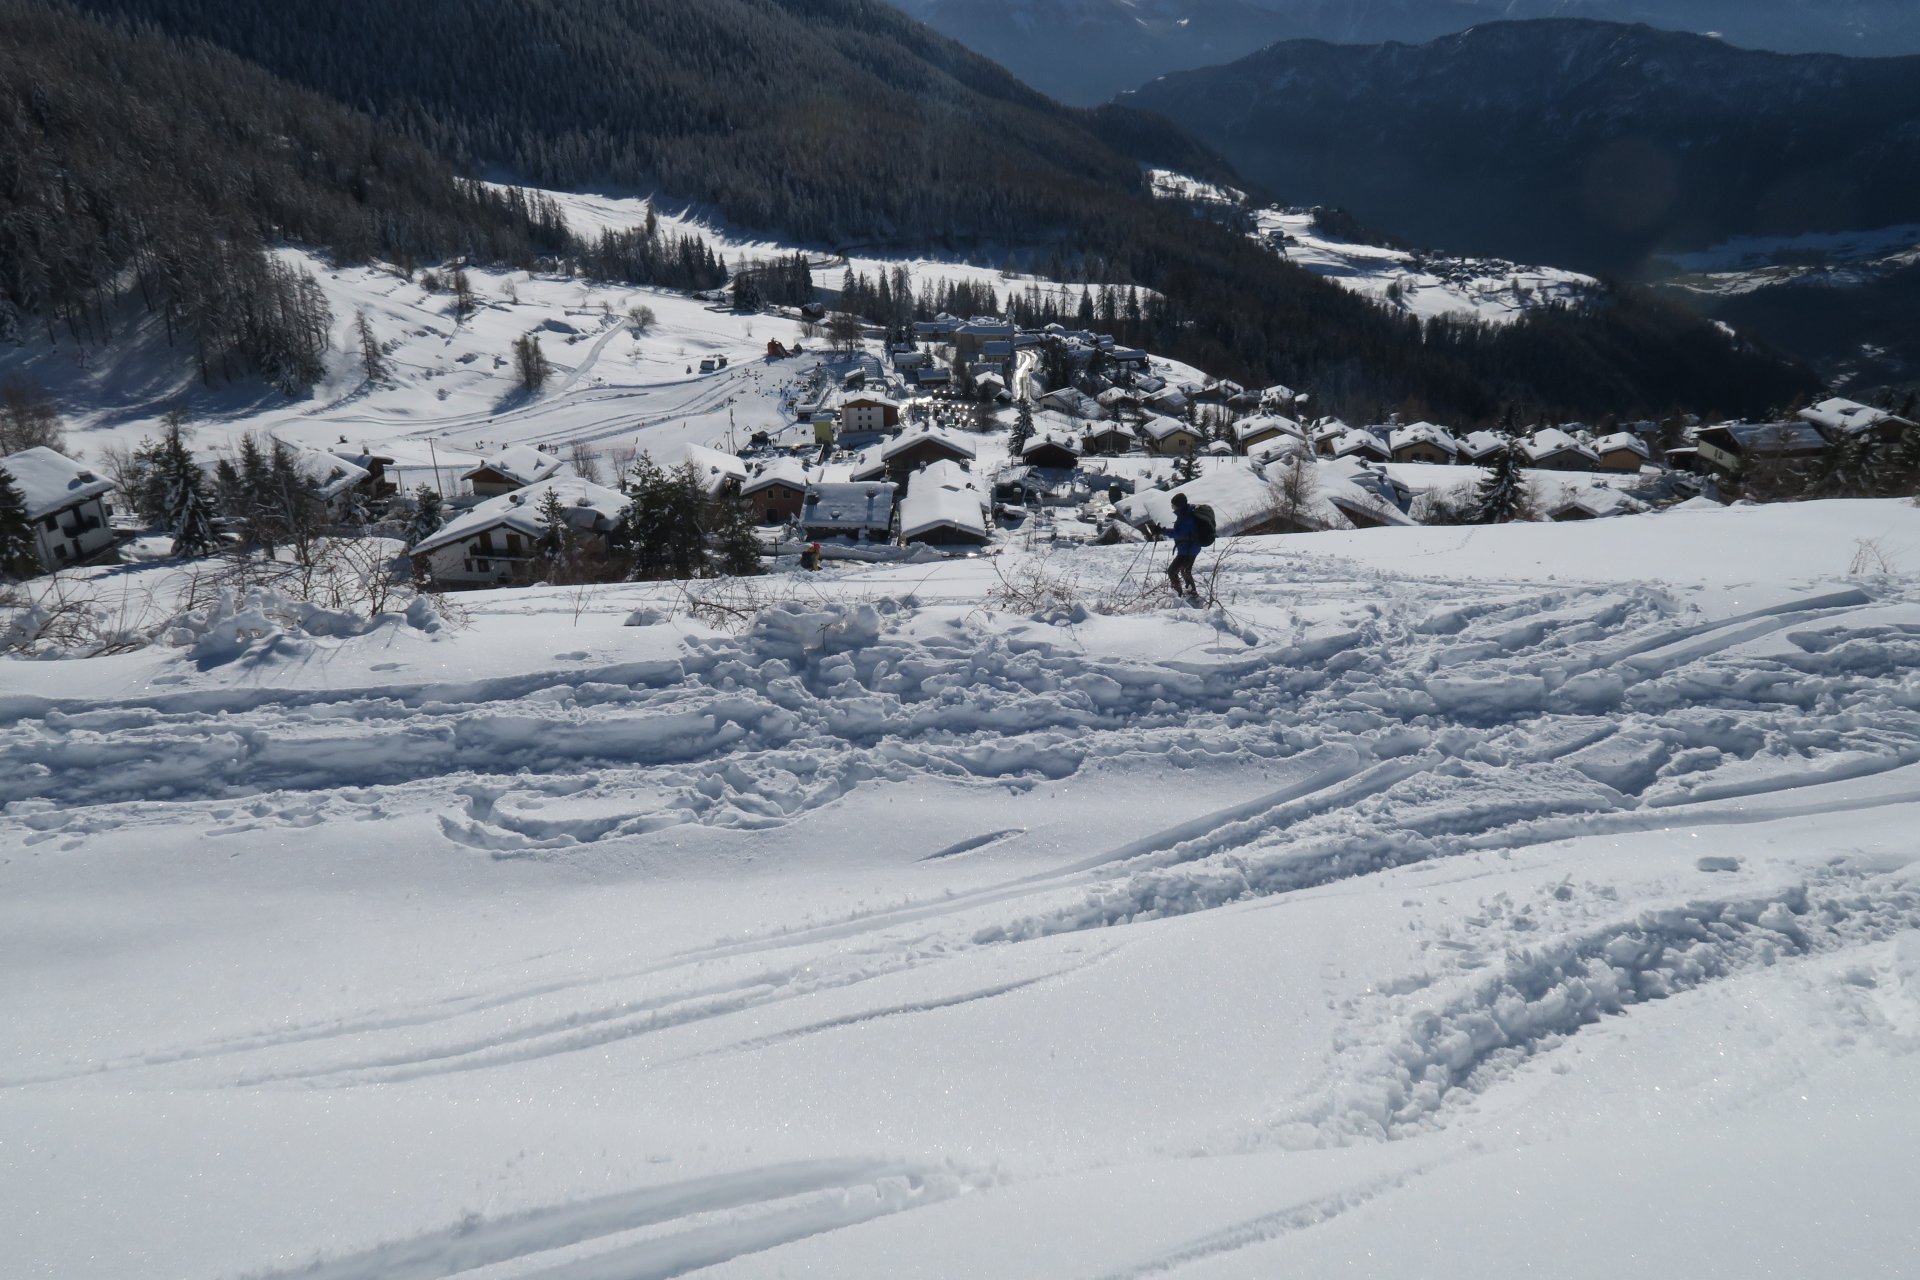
[1085, 51]
[1588, 145]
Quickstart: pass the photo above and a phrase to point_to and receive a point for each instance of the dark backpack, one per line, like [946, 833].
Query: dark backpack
[1203, 525]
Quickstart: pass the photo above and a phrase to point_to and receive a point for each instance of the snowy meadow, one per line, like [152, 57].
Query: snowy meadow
[1445, 901]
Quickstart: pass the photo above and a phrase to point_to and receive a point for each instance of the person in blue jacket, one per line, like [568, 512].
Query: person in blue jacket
[1186, 547]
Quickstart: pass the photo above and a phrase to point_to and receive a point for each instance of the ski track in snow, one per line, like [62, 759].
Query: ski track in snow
[1403, 734]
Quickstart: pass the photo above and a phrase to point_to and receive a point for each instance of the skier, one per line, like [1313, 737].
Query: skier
[1187, 541]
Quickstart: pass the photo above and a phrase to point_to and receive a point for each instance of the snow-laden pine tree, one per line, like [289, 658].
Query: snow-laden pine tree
[429, 513]
[187, 508]
[1502, 495]
[1186, 468]
[1022, 429]
[556, 545]
[18, 557]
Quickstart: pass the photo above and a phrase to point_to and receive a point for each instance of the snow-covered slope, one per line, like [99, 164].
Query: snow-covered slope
[1424, 284]
[1449, 902]
[452, 394]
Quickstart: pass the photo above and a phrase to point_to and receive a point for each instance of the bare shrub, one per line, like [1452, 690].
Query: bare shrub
[586, 462]
[1292, 484]
[1870, 557]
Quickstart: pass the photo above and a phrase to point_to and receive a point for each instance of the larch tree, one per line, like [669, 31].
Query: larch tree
[530, 363]
[372, 358]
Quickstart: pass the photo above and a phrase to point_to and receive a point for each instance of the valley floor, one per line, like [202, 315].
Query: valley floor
[1533, 899]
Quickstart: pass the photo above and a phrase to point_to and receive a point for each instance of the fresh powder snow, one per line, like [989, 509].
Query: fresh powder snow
[1445, 901]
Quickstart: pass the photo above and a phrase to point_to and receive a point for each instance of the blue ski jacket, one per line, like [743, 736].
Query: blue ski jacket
[1186, 533]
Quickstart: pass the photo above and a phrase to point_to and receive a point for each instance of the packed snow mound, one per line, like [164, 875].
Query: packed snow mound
[261, 623]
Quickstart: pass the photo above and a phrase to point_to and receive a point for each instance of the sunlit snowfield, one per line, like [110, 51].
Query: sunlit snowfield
[1534, 899]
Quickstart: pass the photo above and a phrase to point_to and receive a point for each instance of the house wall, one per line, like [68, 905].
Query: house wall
[1051, 456]
[820, 533]
[1713, 455]
[73, 535]
[776, 504]
[947, 535]
[501, 555]
[1175, 444]
[1564, 460]
[1621, 460]
[1422, 451]
[868, 417]
[488, 483]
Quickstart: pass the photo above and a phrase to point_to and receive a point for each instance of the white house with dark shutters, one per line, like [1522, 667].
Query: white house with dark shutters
[66, 504]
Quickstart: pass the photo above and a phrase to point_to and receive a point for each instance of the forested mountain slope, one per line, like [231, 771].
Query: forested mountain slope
[843, 121]
[1583, 144]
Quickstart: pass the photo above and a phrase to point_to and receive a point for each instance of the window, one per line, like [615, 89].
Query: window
[50, 522]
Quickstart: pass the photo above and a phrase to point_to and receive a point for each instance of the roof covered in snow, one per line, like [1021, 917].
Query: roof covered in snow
[329, 474]
[1622, 440]
[927, 433]
[712, 467]
[520, 463]
[868, 464]
[1548, 441]
[1597, 499]
[50, 481]
[943, 495]
[1159, 427]
[1423, 433]
[781, 471]
[1481, 444]
[588, 506]
[1846, 417]
[1262, 423]
[1357, 440]
[1055, 439]
[1239, 494]
[849, 508]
